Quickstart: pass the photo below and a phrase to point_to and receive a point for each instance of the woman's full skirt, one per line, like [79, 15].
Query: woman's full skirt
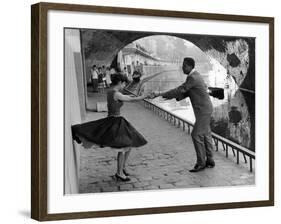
[113, 131]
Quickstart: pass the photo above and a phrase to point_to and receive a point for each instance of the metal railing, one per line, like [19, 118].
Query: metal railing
[219, 141]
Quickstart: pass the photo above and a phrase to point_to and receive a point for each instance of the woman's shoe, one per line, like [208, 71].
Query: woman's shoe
[122, 178]
[125, 172]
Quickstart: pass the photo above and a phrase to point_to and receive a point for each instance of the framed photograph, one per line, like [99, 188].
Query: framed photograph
[141, 111]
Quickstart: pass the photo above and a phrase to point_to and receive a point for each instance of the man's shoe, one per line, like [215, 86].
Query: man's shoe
[210, 163]
[197, 168]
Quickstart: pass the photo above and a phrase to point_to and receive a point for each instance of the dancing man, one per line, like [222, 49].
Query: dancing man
[195, 88]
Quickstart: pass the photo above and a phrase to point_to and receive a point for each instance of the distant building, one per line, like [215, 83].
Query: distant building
[134, 57]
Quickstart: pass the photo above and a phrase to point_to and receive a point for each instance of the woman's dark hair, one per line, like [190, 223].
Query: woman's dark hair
[117, 77]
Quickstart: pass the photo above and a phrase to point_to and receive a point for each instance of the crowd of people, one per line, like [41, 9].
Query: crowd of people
[101, 77]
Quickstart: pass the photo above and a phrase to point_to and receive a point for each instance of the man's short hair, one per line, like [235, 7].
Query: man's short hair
[189, 61]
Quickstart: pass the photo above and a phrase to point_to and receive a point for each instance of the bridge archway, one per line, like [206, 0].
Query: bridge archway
[235, 54]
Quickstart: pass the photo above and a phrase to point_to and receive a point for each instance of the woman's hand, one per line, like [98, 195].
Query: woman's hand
[154, 94]
[145, 95]
[151, 95]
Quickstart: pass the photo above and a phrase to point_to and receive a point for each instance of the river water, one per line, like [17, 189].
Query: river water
[233, 117]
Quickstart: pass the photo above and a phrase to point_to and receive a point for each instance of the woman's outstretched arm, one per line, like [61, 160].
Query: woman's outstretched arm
[126, 98]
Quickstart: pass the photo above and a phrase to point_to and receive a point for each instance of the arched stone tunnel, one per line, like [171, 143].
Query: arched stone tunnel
[236, 54]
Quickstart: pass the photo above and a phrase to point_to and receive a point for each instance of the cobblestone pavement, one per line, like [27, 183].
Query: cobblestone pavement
[161, 164]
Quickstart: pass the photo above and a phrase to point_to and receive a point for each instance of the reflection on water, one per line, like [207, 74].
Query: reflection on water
[231, 117]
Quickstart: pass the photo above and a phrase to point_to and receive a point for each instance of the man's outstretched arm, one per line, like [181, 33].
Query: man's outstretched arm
[179, 91]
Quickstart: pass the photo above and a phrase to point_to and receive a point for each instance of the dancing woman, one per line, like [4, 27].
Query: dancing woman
[113, 131]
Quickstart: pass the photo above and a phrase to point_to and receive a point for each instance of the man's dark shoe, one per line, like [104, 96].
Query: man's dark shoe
[210, 163]
[197, 168]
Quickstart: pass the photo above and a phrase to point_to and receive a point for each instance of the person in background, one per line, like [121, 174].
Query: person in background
[112, 72]
[100, 80]
[107, 77]
[94, 78]
[103, 70]
[125, 72]
[113, 131]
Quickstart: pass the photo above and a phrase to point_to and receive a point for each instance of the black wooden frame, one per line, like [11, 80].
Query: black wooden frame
[39, 110]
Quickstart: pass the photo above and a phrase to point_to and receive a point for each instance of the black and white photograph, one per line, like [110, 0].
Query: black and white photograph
[133, 112]
[151, 111]
[141, 111]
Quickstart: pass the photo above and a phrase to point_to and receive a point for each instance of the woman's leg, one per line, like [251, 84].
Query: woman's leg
[127, 153]
[120, 163]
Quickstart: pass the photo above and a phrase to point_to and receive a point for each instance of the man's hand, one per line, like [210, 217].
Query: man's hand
[148, 95]
[156, 94]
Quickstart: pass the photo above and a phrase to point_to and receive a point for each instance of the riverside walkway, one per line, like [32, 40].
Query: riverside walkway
[163, 163]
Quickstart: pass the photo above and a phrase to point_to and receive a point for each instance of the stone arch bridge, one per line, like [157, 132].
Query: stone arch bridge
[236, 54]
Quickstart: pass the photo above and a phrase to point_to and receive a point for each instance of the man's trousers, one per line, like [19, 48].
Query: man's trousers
[202, 139]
